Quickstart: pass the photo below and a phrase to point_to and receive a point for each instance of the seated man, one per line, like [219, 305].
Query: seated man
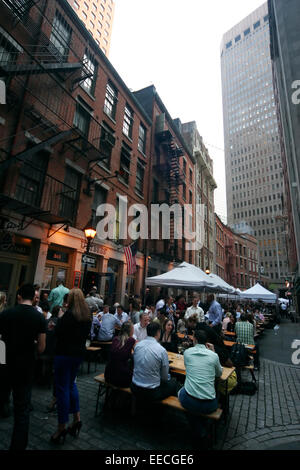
[150, 381]
[121, 315]
[140, 329]
[198, 394]
[245, 334]
[195, 310]
[106, 326]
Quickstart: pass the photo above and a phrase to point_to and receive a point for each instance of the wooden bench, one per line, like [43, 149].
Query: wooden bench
[171, 402]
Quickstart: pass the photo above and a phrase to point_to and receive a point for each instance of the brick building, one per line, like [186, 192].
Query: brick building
[220, 249]
[73, 136]
[205, 186]
[172, 180]
[236, 257]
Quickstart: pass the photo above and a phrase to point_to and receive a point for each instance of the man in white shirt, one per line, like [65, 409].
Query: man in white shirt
[195, 310]
[151, 380]
[160, 304]
[140, 329]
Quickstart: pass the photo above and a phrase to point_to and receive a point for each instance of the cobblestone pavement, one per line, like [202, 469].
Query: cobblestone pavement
[270, 419]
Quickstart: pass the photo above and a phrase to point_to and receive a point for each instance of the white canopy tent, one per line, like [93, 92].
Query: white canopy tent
[258, 292]
[222, 283]
[186, 276]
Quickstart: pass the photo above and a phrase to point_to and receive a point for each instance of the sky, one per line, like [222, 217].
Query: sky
[175, 46]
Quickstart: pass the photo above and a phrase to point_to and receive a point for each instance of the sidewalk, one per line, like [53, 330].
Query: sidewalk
[271, 418]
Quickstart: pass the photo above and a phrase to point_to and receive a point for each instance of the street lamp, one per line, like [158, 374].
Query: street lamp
[90, 234]
[207, 270]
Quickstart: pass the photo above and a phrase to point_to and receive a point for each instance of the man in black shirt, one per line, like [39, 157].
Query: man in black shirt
[23, 331]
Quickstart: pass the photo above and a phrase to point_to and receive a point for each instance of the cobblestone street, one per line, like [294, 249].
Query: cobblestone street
[268, 420]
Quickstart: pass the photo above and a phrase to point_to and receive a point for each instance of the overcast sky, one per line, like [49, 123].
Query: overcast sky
[175, 45]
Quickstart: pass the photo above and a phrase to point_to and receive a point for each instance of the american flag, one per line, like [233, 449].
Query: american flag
[130, 253]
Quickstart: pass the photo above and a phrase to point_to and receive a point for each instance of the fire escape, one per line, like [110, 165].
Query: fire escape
[46, 76]
[171, 177]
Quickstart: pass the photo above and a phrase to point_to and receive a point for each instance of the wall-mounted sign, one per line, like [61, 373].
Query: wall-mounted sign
[54, 255]
[96, 249]
[15, 244]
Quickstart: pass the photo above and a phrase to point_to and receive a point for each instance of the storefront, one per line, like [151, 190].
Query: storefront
[18, 257]
[58, 267]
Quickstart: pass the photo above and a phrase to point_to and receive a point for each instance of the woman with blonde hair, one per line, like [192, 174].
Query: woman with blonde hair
[2, 301]
[71, 332]
[119, 369]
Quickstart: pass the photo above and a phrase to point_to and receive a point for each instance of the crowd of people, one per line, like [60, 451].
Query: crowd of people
[57, 326]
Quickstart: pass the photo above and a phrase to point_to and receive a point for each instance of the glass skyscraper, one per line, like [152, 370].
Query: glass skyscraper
[254, 177]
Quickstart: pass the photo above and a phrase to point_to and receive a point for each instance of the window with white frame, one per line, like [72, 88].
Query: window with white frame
[90, 68]
[142, 139]
[128, 121]
[111, 99]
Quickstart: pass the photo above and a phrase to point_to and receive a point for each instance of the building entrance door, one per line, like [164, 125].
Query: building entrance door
[13, 274]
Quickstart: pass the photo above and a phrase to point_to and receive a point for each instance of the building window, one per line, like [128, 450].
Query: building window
[61, 35]
[107, 142]
[100, 197]
[184, 191]
[90, 67]
[76, 5]
[70, 197]
[256, 25]
[228, 45]
[140, 173]
[82, 118]
[142, 139]
[238, 38]
[125, 163]
[247, 32]
[111, 99]
[191, 176]
[128, 121]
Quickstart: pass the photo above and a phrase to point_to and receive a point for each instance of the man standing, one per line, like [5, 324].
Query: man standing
[215, 314]
[22, 329]
[150, 381]
[56, 296]
[195, 310]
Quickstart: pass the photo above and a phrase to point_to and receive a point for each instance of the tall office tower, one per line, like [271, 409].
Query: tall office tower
[97, 15]
[285, 52]
[254, 177]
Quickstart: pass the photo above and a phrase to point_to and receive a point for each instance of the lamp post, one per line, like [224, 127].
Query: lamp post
[90, 234]
[207, 271]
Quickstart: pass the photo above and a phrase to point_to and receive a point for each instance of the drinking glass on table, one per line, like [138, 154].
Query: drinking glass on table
[180, 348]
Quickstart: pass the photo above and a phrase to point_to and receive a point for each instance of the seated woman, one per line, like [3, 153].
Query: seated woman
[119, 369]
[231, 324]
[169, 339]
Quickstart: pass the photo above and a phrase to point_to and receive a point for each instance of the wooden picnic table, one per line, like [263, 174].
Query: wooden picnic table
[177, 365]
